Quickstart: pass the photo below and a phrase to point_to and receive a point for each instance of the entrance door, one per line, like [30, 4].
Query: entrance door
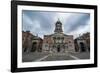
[58, 48]
[34, 47]
[82, 46]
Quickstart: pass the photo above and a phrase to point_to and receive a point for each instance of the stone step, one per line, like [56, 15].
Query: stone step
[59, 54]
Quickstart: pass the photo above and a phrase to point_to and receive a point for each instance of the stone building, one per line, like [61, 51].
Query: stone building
[26, 41]
[58, 41]
[36, 44]
[30, 42]
[82, 43]
[87, 39]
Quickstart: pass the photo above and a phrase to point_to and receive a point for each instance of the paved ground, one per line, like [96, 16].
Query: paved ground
[81, 55]
[57, 57]
[35, 56]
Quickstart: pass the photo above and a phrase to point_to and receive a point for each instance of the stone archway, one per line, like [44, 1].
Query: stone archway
[34, 46]
[82, 47]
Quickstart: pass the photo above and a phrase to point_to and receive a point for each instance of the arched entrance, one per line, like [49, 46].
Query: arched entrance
[82, 46]
[58, 48]
[34, 46]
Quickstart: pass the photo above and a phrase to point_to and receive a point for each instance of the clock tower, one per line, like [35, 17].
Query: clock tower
[58, 27]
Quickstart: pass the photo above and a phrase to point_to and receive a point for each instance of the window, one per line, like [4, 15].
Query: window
[46, 45]
[69, 41]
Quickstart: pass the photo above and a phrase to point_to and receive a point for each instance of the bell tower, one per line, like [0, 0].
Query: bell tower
[58, 27]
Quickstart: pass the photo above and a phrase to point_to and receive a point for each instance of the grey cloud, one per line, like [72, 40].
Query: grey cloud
[76, 21]
[44, 18]
[46, 21]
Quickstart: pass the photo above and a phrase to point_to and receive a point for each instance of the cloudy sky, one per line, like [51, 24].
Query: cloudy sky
[43, 23]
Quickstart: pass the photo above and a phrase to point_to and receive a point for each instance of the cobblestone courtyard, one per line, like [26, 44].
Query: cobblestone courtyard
[36, 56]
